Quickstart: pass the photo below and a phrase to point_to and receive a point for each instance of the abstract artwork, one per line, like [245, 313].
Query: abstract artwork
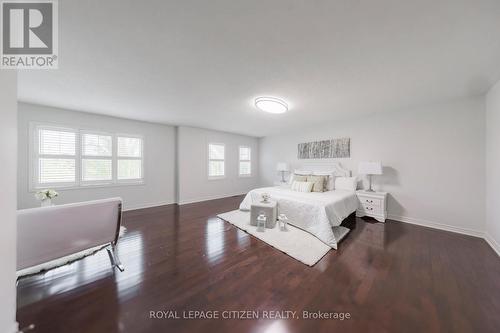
[336, 148]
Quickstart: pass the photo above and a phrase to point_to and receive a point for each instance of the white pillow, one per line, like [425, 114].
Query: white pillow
[346, 183]
[302, 186]
[330, 182]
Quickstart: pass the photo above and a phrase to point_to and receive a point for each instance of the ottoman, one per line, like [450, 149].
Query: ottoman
[269, 209]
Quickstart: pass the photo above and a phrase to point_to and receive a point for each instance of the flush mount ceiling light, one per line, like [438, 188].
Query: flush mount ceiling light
[271, 104]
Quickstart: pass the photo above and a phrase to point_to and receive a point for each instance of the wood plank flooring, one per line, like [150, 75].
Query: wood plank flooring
[391, 277]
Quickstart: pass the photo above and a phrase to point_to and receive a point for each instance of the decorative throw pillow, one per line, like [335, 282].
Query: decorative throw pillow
[319, 183]
[298, 178]
[302, 186]
[299, 175]
[330, 181]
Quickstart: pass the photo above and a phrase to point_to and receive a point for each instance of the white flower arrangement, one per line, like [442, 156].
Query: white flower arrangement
[46, 194]
[265, 197]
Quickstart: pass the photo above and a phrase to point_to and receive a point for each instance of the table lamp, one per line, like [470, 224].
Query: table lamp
[370, 169]
[282, 167]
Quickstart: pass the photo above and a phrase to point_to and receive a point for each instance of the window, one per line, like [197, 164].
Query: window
[245, 167]
[129, 158]
[69, 158]
[97, 153]
[55, 156]
[216, 160]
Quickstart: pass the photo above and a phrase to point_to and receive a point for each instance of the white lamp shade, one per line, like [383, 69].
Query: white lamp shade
[282, 166]
[370, 168]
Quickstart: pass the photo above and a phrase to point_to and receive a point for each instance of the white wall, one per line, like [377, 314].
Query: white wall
[159, 155]
[194, 184]
[492, 233]
[434, 160]
[8, 162]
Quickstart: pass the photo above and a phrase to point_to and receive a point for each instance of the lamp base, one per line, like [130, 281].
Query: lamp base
[282, 176]
[370, 184]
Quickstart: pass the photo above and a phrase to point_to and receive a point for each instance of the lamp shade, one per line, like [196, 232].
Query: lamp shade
[282, 166]
[370, 168]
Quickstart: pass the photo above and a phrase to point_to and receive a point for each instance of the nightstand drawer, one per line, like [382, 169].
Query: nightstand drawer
[363, 201]
[370, 209]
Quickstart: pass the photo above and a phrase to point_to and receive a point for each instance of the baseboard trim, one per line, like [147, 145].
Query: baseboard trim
[185, 202]
[15, 328]
[491, 242]
[208, 198]
[152, 205]
[434, 225]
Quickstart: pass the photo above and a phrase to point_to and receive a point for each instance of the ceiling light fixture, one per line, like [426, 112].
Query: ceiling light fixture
[271, 104]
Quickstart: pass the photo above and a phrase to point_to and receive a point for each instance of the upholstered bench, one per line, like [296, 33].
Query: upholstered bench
[269, 209]
[48, 233]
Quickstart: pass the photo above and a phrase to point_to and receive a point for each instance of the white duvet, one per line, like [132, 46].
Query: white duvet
[318, 213]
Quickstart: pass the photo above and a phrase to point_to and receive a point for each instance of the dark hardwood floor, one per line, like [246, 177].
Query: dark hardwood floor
[391, 277]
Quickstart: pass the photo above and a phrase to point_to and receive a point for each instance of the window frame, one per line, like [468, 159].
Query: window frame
[249, 161]
[215, 160]
[86, 183]
[79, 183]
[35, 156]
[116, 158]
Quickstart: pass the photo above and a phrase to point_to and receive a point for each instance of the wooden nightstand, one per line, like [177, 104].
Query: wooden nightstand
[373, 204]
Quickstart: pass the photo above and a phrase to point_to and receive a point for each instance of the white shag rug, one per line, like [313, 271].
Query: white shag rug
[295, 242]
[64, 260]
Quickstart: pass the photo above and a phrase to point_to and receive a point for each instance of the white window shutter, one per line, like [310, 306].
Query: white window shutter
[130, 159]
[216, 160]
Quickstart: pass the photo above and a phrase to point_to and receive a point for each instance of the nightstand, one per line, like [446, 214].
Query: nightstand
[373, 204]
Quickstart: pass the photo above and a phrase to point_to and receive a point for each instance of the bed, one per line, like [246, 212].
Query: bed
[318, 213]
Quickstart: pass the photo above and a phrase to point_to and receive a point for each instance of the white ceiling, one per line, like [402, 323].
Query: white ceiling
[202, 63]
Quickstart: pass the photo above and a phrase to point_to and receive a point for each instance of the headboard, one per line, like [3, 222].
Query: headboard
[335, 167]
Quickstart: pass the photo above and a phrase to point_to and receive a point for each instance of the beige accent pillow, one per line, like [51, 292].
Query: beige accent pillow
[299, 178]
[299, 173]
[319, 183]
[330, 181]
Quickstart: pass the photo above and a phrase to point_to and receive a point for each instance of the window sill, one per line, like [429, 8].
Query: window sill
[87, 186]
[216, 177]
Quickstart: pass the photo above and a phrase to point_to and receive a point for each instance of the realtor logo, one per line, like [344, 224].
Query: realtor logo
[29, 34]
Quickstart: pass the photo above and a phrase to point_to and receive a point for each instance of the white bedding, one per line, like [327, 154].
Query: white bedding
[318, 213]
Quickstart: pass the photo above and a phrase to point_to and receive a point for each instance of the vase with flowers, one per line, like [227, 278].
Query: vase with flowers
[265, 197]
[45, 197]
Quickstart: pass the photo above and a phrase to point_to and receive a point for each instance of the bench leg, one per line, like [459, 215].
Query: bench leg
[115, 261]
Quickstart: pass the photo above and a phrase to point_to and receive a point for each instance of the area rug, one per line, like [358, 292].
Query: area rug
[64, 260]
[295, 242]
